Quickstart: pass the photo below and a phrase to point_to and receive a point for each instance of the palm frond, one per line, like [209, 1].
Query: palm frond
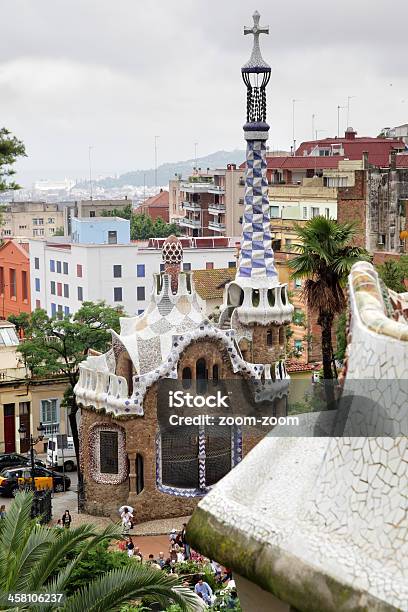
[108, 592]
[15, 529]
[35, 549]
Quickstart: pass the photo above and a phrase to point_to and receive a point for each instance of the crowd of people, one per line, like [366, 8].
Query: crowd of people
[179, 552]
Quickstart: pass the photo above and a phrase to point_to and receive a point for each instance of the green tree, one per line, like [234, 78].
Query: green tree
[58, 345]
[36, 558]
[21, 321]
[341, 336]
[393, 274]
[325, 256]
[10, 150]
[142, 226]
[59, 231]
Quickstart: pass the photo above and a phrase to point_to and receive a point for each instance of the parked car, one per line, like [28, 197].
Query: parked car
[15, 459]
[12, 479]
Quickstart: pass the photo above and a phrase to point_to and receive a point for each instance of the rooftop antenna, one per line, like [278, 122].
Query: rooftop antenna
[313, 125]
[155, 159]
[348, 110]
[339, 108]
[294, 100]
[90, 170]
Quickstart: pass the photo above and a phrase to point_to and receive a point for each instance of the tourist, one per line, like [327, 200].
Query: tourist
[204, 590]
[173, 552]
[232, 601]
[152, 561]
[59, 524]
[127, 519]
[184, 541]
[173, 536]
[2, 511]
[138, 553]
[130, 547]
[217, 569]
[66, 519]
[180, 555]
[161, 560]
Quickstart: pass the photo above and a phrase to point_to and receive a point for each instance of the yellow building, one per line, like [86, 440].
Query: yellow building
[24, 400]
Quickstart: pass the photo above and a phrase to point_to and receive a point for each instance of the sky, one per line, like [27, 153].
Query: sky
[114, 74]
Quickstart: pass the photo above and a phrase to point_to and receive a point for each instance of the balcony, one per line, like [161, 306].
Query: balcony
[216, 209]
[197, 187]
[216, 189]
[216, 227]
[190, 205]
[186, 222]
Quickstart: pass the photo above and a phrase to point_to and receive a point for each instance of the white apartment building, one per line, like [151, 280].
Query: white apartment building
[64, 275]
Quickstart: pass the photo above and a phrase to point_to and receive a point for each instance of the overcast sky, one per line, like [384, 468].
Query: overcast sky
[115, 73]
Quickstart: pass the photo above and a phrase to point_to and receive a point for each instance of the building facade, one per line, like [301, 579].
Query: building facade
[64, 275]
[86, 209]
[31, 219]
[156, 206]
[15, 294]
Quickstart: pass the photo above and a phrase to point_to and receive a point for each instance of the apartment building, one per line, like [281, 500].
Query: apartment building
[208, 203]
[31, 219]
[65, 274]
[24, 400]
[14, 278]
[86, 209]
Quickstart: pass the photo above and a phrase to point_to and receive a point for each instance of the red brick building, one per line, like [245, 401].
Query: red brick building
[14, 278]
[156, 206]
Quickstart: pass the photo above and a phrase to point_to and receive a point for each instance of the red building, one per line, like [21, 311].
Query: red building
[156, 206]
[14, 278]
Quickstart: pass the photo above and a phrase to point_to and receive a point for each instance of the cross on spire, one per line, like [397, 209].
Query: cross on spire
[256, 59]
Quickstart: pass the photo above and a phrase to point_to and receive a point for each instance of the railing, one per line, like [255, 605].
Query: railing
[214, 225]
[215, 209]
[190, 222]
[216, 189]
[190, 205]
[51, 428]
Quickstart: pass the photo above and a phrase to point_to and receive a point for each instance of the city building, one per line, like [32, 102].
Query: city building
[31, 219]
[208, 203]
[24, 400]
[14, 278]
[65, 274]
[128, 456]
[156, 206]
[84, 209]
[100, 230]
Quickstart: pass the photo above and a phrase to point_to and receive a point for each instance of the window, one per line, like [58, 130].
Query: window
[91, 213]
[59, 308]
[109, 456]
[274, 212]
[112, 237]
[59, 289]
[52, 287]
[269, 339]
[59, 267]
[140, 271]
[40, 221]
[36, 263]
[51, 220]
[53, 309]
[117, 294]
[117, 271]
[305, 212]
[186, 267]
[37, 304]
[52, 265]
[24, 285]
[66, 290]
[49, 411]
[141, 293]
[298, 283]
[327, 213]
[162, 267]
[66, 310]
[232, 264]
[209, 265]
[65, 267]
[80, 294]
[315, 212]
[298, 345]
[79, 270]
[13, 288]
[140, 311]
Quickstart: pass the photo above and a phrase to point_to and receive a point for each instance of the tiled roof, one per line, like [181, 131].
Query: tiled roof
[210, 283]
[303, 162]
[23, 247]
[296, 366]
[161, 200]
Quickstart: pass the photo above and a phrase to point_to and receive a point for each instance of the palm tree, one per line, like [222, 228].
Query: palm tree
[326, 254]
[33, 559]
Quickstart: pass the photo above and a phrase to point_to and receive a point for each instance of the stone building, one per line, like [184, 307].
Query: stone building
[126, 457]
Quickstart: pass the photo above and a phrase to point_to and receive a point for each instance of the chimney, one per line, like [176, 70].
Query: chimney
[350, 134]
[392, 159]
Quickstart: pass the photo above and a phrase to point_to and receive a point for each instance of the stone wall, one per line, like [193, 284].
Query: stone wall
[352, 206]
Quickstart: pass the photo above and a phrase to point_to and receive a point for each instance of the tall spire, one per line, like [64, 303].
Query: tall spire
[256, 255]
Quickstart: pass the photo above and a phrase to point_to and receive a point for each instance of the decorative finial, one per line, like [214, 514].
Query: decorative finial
[172, 256]
[256, 62]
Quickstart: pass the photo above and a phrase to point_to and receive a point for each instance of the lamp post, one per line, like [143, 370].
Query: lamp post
[22, 430]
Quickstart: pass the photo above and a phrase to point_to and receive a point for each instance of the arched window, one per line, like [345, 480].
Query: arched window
[186, 378]
[283, 295]
[269, 339]
[255, 297]
[271, 297]
[139, 474]
[201, 375]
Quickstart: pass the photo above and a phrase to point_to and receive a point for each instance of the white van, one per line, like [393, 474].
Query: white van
[61, 452]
